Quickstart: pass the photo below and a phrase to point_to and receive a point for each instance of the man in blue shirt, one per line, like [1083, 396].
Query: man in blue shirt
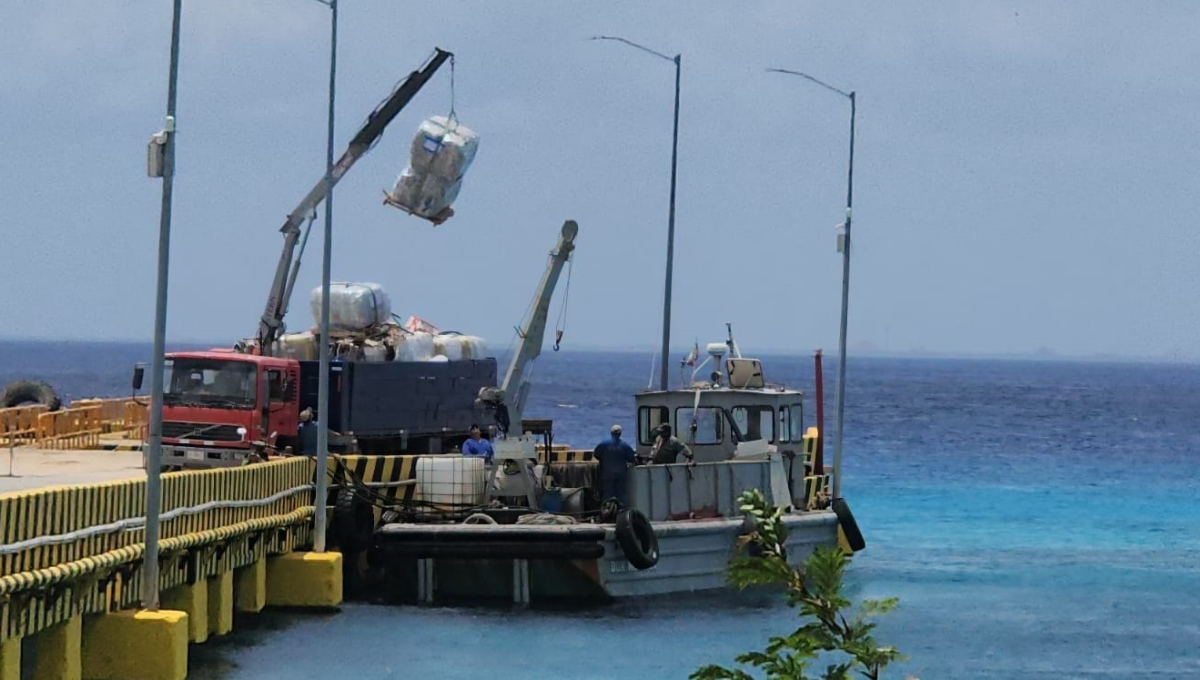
[614, 457]
[478, 446]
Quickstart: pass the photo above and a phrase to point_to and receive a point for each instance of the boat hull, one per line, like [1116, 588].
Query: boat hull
[462, 563]
[694, 555]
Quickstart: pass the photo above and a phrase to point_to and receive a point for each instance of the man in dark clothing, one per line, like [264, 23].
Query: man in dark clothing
[667, 448]
[307, 433]
[614, 457]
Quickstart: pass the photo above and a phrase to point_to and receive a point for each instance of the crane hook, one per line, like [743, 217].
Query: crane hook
[557, 339]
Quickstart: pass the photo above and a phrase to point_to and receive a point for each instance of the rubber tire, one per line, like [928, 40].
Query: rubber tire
[849, 526]
[637, 539]
[354, 519]
[21, 392]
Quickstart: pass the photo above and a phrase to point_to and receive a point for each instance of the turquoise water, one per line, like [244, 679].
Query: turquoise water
[1035, 519]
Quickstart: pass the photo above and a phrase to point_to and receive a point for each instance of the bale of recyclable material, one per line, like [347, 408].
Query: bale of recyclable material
[353, 306]
[298, 346]
[473, 347]
[440, 154]
[414, 347]
[449, 346]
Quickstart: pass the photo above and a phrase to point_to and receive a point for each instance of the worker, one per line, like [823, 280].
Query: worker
[307, 433]
[614, 458]
[478, 446]
[667, 448]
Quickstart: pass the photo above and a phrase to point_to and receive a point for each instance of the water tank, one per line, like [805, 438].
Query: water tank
[452, 484]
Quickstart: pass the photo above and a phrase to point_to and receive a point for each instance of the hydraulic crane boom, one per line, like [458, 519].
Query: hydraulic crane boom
[515, 389]
[281, 286]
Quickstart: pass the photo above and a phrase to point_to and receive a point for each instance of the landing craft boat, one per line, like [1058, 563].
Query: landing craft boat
[531, 528]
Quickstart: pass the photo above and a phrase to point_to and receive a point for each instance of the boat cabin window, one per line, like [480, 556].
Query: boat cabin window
[791, 423]
[755, 422]
[708, 425]
[649, 418]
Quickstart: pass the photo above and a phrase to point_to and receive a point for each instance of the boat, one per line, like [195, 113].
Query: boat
[532, 529]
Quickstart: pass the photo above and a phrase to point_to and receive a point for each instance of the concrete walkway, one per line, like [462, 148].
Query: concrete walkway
[34, 468]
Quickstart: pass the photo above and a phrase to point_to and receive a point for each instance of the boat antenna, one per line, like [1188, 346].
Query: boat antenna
[729, 341]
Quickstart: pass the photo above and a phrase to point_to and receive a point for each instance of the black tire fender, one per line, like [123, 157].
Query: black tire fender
[636, 537]
[354, 519]
[848, 525]
[21, 392]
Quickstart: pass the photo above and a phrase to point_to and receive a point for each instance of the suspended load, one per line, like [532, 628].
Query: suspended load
[353, 306]
[440, 154]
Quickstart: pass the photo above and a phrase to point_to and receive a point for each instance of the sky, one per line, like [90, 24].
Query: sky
[1025, 172]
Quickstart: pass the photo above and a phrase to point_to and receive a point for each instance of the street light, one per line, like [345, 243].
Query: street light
[844, 245]
[666, 337]
[161, 163]
[321, 492]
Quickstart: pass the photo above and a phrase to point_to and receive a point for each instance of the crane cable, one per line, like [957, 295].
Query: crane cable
[560, 326]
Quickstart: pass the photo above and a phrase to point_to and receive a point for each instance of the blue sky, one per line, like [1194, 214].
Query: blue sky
[1025, 172]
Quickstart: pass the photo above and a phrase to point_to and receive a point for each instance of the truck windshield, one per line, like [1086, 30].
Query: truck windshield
[209, 382]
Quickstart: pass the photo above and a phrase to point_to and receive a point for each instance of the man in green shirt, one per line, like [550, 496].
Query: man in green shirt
[667, 448]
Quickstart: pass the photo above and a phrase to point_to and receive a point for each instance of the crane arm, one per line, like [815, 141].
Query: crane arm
[281, 286]
[515, 389]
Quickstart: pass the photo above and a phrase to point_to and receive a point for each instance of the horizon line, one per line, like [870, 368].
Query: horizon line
[920, 353]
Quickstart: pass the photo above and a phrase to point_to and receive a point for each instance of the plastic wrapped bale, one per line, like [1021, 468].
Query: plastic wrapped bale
[298, 346]
[473, 347]
[353, 306]
[440, 154]
[414, 347]
[449, 346]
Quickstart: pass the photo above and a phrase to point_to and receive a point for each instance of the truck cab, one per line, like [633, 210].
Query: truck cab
[215, 403]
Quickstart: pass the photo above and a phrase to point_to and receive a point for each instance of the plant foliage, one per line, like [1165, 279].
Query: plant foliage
[828, 627]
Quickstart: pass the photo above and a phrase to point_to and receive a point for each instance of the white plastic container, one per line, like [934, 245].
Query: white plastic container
[453, 484]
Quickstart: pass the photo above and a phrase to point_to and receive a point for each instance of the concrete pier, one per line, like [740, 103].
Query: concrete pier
[232, 540]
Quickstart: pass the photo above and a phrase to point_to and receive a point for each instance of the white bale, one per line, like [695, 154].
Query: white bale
[298, 346]
[374, 351]
[438, 358]
[449, 346]
[414, 347]
[353, 306]
[473, 347]
[439, 156]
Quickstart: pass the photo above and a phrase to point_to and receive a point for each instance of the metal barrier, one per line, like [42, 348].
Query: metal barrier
[77, 427]
[77, 549]
[118, 415]
[71, 428]
[18, 425]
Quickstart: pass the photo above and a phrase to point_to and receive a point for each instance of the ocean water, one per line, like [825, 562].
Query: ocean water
[1036, 519]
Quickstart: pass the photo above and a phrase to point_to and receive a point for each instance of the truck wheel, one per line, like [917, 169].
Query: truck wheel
[22, 392]
[355, 521]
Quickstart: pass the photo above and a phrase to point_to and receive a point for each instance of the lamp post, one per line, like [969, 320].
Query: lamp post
[161, 164]
[844, 246]
[319, 509]
[666, 335]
